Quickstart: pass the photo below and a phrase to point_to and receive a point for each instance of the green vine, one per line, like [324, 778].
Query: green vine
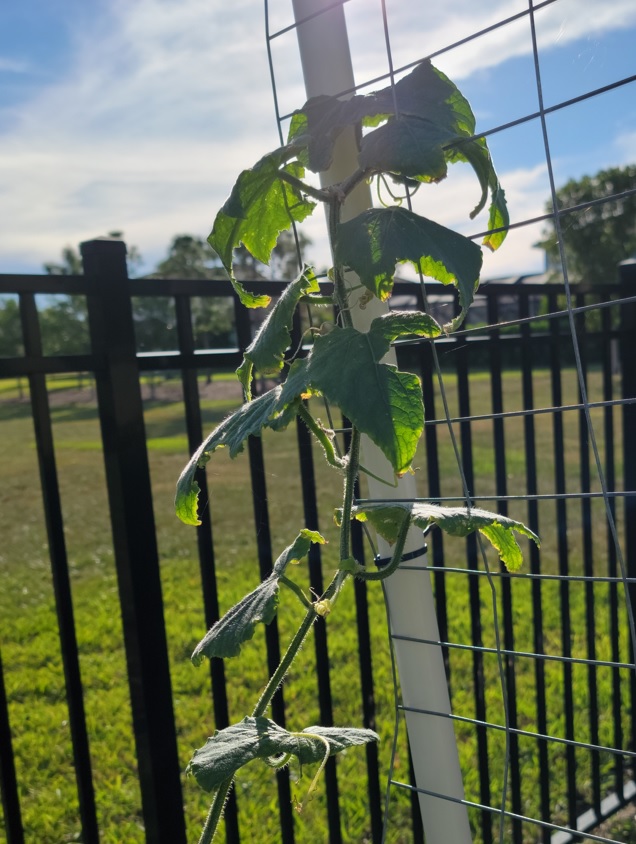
[415, 131]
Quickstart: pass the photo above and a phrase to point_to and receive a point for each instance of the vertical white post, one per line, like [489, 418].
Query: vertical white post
[327, 69]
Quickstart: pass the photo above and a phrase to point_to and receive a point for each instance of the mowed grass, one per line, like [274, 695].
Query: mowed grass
[30, 644]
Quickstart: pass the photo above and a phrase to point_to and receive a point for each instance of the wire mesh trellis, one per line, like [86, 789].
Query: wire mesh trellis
[604, 574]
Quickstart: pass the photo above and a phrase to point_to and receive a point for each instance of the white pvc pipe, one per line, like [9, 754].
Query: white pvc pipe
[327, 69]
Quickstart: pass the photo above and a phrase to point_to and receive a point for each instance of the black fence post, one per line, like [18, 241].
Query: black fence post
[627, 353]
[9, 791]
[134, 539]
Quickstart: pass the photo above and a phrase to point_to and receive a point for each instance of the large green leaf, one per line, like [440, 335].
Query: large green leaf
[425, 93]
[400, 324]
[266, 351]
[344, 365]
[318, 124]
[259, 738]
[408, 146]
[456, 521]
[428, 93]
[224, 639]
[259, 207]
[375, 241]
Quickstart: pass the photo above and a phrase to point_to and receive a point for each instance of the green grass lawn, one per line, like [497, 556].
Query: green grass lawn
[30, 646]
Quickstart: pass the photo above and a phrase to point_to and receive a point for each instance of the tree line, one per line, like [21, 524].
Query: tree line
[595, 238]
[64, 319]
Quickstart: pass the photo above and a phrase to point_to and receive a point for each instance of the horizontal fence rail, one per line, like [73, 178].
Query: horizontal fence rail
[519, 416]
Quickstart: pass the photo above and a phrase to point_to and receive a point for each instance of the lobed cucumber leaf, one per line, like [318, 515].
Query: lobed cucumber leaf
[387, 519]
[260, 738]
[259, 207]
[224, 639]
[375, 241]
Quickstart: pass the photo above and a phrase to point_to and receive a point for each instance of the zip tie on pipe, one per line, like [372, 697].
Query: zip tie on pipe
[381, 562]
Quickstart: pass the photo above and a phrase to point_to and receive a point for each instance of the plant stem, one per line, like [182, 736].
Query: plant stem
[295, 588]
[352, 467]
[322, 436]
[340, 290]
[349, 485]
[316, 193]
[354, 180]
[290, 654]
[398, 550]
[216, 811]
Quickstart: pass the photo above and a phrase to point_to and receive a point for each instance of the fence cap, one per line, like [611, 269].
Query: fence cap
[102, 238]
[113, 245]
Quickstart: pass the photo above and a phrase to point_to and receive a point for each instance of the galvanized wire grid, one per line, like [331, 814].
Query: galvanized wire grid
[512, 823]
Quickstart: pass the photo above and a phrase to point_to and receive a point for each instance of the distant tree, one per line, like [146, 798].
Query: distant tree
[64, 323]
[64, 327]
[600, 235]
[189, 257]
[212, 317]
[66, 319]
[71, 263]
[11, 333]
[284, 264]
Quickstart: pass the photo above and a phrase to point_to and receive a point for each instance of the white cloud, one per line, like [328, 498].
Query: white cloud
[165, 104]
[625, 146]
[417, 31]
[167, 100]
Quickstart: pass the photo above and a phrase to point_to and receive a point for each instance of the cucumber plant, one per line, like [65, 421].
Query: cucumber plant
[414, 130]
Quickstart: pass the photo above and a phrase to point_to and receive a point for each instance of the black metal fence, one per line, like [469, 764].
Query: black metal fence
[513, 398]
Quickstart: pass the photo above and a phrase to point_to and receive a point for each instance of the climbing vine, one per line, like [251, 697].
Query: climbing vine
[412, 132]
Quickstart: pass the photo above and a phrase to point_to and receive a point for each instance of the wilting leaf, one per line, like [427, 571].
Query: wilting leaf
[259, 738]
[375, 241]
[382, 402]
[224, 639]
[426, 93]
[456, 521]
[266, 351]
[259, 207]
[397, 324]
[498, 218]
[232, 433]
[408, 146]
[476, 153]
[344, 366]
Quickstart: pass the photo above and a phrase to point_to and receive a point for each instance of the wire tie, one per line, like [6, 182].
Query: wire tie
[381, 562]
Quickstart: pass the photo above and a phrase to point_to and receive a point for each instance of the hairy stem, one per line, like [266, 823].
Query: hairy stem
[340, 289]
[295, 588]
[316, 193]
[354, 180]
[398, 550]
[290, 654]
[351, 465]
[316, 299]
[347, 502]
[216, 812]
[322, 437]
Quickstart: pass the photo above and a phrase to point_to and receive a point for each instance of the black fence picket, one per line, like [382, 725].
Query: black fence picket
[523, 345]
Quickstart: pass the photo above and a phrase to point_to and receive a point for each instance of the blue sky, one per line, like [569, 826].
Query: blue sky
[139, 115]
